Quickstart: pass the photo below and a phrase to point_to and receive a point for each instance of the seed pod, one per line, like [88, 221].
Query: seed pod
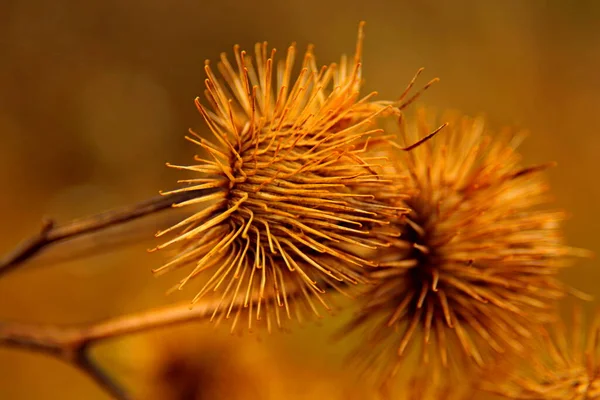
[283, 212]
[475, 269]
[563, 364]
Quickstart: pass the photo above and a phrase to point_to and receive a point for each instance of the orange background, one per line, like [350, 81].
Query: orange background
[96, 96]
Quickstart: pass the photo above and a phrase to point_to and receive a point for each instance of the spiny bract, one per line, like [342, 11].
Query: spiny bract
[564, 364]
[282, 214]
[476, 265]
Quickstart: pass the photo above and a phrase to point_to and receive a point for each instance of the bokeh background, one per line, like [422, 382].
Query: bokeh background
[96, 96]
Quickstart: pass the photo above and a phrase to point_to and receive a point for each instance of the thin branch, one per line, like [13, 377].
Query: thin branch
[50, 234]
[71, 344]
[87, 365]
[65, 344]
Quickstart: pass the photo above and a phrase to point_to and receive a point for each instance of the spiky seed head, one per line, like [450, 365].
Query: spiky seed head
[282, 212]
[563, 364]
[187, 364]
[424, 388]
[476, 265]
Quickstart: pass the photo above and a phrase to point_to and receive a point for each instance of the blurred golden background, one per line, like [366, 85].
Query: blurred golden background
[96, 96]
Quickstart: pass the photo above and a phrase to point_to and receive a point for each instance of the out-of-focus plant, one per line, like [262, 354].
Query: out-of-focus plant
[564, 365]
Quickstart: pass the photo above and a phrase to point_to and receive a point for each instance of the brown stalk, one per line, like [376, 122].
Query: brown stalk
[50, 234]
[70, 344]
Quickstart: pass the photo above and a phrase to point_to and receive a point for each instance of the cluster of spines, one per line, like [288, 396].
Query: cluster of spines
[287, 178]
[475, 268]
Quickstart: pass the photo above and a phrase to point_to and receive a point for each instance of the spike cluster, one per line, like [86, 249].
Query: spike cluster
[282, 214]
[186, 364]
[426, 388]
[476, 266]
[564, 365]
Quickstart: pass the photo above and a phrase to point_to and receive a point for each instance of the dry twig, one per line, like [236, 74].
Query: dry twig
[71, 344]
[50, 234]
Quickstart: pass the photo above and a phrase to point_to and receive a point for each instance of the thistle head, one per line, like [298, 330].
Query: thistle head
[188, 364]
[564, 364]
[475, 268]
[283, 210]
